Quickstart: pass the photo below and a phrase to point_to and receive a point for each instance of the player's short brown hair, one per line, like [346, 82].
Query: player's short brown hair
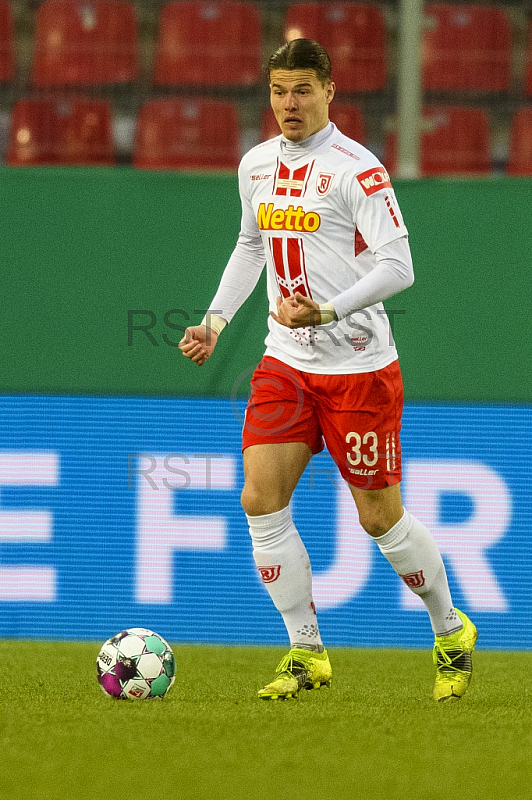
[302, 54]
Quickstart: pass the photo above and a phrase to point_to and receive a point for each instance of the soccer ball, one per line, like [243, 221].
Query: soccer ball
[136, 664]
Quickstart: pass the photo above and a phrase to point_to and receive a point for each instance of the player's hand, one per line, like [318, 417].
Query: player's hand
[198, 343]
[297, 311]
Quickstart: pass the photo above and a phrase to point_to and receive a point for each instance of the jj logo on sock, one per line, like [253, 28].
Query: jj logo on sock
[269, 574]
[414, 580]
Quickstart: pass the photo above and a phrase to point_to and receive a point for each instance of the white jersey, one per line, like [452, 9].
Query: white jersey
[321, 208]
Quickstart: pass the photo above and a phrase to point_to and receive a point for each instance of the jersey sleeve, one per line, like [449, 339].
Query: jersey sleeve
[245, 264]
[249, 236]
[374, 206]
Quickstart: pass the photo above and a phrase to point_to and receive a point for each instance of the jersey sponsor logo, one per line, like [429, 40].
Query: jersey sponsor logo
[358, 343]
[365, 472]
[323, 183]
[260, 177]
[373, 180]
[414, 580]
[270, 574]
[297, 219]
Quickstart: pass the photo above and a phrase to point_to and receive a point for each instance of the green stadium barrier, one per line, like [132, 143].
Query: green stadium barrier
[83, 247]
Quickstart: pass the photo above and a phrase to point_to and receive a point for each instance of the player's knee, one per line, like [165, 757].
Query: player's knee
[375, 522]
[252, 500]
[256, 502]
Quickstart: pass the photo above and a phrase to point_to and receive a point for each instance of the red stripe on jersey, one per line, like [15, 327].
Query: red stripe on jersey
[276, 247]
[294, 258]
[289, 266]
[308, 177]
[392, 212]
[282, 172]
[276, 174]
[360, 244]
[295, 266]
[299, 175]
[300, 277]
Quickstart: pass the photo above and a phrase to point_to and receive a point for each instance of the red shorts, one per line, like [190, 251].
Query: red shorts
[358, 415]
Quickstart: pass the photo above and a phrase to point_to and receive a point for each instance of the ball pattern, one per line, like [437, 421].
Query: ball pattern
[136, 664]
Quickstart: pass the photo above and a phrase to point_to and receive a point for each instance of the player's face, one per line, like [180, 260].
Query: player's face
[300, 102]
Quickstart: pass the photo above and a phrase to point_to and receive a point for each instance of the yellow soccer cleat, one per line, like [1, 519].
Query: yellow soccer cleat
[299, 669]
[452, 656]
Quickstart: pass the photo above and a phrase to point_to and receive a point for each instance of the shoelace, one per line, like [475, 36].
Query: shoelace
[288, 662]
[439, 654]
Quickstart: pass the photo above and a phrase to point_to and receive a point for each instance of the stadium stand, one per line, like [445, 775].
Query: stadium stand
[208, 44]
[132, 52]
[7, 57]
[466, 47]
[79, 43]
[528, 75]
[520, 156]
[454, 141]
[187, 133]
[346, 116]
[61, 130]
[354, 35]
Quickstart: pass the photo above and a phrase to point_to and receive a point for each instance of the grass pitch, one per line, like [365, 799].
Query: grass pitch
[376, 734]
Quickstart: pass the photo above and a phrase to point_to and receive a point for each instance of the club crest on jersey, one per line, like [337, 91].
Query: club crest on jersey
[323, 183]
[269, 574]
[373, 180]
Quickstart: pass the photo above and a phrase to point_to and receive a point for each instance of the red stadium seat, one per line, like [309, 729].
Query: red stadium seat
[528, 75]
[85, 43]
[466, 47]
[520, 157]
[187, 133]
[208, 44]
[68, 131]
[269, 127]
[454, 141]
[7, 59]
[354, 36]
[347, 118]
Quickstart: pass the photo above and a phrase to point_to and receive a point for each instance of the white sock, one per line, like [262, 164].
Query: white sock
[414, 555]
[284, 565]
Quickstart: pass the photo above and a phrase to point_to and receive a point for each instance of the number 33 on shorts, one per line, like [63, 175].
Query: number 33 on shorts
[363, 452]
[355, 456]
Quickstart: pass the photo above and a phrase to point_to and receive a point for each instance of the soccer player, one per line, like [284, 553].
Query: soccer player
[320, 210]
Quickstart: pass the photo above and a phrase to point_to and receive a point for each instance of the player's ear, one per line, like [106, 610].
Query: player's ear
[330, 91]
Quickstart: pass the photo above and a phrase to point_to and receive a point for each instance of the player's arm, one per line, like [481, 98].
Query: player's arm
[377, 216]
[238, 281]
[393, 273]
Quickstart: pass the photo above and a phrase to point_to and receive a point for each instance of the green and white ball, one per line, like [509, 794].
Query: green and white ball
[136, 664]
